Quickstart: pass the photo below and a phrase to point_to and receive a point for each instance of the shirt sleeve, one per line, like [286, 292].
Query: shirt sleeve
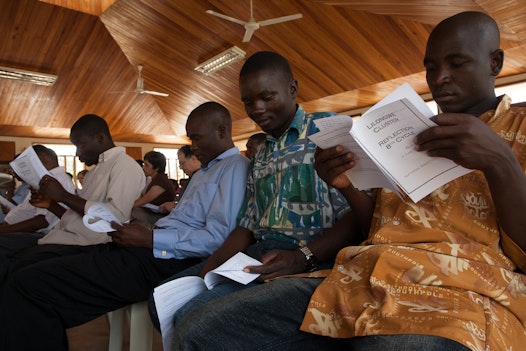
[194, 234]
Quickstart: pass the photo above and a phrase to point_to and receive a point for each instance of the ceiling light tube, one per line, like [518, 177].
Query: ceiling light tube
[224, 59]
[28, 76]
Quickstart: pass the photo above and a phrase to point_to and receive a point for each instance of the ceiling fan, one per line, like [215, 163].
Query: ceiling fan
[251, 25]
[140, 86]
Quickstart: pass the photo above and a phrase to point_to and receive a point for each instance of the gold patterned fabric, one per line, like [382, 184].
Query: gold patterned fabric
[440, 267]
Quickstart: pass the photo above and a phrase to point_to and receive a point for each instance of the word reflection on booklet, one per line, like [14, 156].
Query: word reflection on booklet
[382, 141]
[172, 295]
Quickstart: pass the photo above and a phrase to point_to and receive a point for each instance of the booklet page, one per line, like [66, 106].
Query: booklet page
[335, 131]
[29, 167]
[233, 270]
[170, 297]
[386, 134]
[99, 217]
[174, 294]
[382, 141]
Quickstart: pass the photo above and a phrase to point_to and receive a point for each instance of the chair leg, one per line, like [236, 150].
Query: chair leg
[141, 328]
[117, 321]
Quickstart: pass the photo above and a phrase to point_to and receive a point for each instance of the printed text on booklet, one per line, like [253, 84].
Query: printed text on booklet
[382, 141]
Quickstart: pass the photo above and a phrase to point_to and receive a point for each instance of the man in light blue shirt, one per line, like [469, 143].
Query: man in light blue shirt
[65, 292]
[202, 225]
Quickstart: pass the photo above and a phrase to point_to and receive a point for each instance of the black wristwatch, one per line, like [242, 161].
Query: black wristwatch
[311, 263]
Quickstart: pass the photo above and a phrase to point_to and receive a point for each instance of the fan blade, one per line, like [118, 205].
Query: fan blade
[280, 19]
[228, 18]
[248, 35]
[153, 93]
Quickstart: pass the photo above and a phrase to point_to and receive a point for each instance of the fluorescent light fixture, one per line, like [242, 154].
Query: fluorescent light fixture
[224, 59]
[28, 76]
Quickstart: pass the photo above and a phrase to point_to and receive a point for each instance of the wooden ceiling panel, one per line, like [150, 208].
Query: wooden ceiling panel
[92, 7]
[345, 55]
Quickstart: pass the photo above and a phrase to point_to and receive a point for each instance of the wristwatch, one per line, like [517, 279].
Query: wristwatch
[311, 263]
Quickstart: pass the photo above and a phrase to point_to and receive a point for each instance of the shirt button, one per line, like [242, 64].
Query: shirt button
[396, 222]
[163, 253]
[341, 268]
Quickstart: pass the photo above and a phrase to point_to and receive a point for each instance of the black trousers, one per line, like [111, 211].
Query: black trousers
[10, 245]
[41, 300]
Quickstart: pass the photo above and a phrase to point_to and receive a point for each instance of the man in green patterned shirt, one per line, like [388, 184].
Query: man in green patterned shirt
[290, 220]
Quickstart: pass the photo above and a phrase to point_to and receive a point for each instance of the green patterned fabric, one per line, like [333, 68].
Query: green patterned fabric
[291, 200]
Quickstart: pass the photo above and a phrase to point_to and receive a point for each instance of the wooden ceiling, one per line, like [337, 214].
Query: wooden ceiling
[345, 55]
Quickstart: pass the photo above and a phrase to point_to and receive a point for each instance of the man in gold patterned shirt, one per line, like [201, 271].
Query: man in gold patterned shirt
[442, 274]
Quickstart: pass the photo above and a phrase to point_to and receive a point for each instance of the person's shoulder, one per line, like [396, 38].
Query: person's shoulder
[238, 159]
[518, 111]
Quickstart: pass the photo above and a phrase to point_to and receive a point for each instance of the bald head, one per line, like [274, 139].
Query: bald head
[470, 25]
[209, 127]
[213, 113]
[462, 59]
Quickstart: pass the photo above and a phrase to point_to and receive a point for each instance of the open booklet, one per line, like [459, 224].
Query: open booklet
[29, 167]
[382, 141]
[99, 217]
[172, 295]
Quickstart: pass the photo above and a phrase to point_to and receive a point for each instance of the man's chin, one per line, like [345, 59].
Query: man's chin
[451, 107]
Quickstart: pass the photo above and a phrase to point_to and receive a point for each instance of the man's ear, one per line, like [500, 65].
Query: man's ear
[101, 138]
[497, 61]
[293, 87]
[222, 131]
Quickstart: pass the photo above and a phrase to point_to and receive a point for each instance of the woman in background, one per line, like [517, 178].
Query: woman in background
[159, 191]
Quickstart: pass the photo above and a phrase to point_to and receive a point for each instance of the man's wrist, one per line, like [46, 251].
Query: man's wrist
[311, 263]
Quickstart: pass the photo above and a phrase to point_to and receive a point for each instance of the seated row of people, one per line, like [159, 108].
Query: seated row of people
[441, 274]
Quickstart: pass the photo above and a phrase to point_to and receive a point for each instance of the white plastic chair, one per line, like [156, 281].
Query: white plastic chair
[141, 328]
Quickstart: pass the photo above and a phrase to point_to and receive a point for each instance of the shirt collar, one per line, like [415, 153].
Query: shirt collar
[230, 152]
[504, 105]
[108, 154]
[298, 120]
[297, 124]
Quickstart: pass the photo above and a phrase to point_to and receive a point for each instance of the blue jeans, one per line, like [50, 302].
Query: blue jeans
[267, 317]
[229, 287]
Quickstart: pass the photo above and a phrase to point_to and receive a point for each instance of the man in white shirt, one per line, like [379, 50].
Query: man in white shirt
[116, 181]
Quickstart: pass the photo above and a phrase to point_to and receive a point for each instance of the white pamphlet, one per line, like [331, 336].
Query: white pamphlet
[29, 167]
[99, 217]
[382, 140]
[172, 295]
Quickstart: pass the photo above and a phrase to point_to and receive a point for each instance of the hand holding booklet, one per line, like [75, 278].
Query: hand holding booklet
[29, 167]
[382, 141]
[172, 295]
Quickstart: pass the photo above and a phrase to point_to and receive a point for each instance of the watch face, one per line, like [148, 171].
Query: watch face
[310, 260]
[311, 263]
